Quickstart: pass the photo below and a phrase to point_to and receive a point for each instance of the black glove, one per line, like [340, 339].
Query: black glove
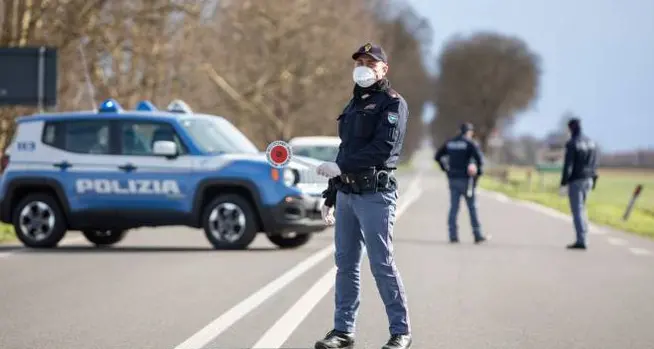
[595, 178]
[329, 194]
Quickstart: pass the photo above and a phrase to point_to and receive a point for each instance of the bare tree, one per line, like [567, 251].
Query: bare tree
[486, 78]
[405, 36]
[281, 67]
[276, 69]
[42, 22]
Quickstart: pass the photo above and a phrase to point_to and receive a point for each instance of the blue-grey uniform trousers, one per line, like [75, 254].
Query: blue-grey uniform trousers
[577, 193]
[366, 220]
[458, 188]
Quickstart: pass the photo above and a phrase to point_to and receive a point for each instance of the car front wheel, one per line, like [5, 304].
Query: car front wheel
[229, 222]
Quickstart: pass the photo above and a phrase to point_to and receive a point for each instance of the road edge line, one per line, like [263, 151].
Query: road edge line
[279, 332]
[216, 327]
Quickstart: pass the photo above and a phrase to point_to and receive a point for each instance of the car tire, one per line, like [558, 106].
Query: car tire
[46, 209]
[229, 222]
[290, 242]
[104, 237]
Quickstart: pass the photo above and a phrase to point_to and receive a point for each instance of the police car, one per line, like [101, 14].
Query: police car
[107, 171]
[323, 148]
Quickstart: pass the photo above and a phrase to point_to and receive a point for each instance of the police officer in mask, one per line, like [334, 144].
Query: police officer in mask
[363, 192]
[579, 175]
[462, 176]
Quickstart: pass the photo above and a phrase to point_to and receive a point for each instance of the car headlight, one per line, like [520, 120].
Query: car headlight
[290, 177]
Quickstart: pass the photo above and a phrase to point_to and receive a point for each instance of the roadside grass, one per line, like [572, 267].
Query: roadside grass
[6, 233]
[606, 204]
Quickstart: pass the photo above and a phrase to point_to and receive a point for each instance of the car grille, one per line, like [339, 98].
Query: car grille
[309, 176]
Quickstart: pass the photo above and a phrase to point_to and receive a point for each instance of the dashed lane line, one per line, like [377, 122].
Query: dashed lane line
[639, 251]
[617, 241]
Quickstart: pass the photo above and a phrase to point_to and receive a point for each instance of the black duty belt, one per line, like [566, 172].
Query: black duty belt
[369, 181]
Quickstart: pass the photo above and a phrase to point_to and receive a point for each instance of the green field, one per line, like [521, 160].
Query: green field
[6, 233]
[606, 204]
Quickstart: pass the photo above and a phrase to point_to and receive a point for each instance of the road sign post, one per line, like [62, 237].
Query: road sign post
[630, 206]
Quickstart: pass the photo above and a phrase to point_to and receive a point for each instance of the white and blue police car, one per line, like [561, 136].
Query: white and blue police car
[106, 171]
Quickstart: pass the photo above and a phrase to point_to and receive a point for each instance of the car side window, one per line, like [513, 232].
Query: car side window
[138, 137]
[78, 136]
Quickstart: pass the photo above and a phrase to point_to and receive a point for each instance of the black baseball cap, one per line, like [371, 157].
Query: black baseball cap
[574, 123]
[371, 50]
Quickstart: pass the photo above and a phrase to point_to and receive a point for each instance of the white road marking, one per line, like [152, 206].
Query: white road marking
[284, 327]
[546, 210]
[594, 229]
[227, 319]
[412, 194]
[237, 312]
[617, 241]
[501, 197]
[639, 251]
[494, 195]
[279, 333]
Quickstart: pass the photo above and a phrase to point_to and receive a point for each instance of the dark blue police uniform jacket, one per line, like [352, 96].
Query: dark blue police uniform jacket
[371, 128]
[580, 159]
[460, 150]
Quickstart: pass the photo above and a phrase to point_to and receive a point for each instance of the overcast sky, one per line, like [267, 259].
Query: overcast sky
[598, 59]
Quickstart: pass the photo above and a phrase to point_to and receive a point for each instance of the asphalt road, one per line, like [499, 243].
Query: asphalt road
[166, 288]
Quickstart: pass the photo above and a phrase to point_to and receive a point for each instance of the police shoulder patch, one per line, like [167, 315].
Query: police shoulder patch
[393, 117]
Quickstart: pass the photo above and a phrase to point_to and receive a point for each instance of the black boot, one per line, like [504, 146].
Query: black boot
[576, 246]
[482, 239]
[398, 341]
[336, 340]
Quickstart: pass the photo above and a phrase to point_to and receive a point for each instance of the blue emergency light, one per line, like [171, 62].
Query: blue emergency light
[179, 106]
[110, 106]
[146, 105]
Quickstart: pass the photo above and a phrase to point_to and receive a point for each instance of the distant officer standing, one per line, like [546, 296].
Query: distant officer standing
[363, 191]
[462, 177]
[580, 176]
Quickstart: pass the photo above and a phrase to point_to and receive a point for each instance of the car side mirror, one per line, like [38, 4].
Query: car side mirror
[165, 148]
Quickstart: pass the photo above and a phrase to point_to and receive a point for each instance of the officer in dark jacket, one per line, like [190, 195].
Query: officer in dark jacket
[462, 176]
[363, 192]
[580, 176]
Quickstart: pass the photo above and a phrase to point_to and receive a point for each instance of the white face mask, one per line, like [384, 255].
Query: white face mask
[364, 76]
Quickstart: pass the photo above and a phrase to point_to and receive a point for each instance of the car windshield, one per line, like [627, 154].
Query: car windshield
[320, 152]
[217, 135]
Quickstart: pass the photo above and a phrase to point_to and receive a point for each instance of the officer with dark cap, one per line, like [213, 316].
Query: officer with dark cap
[579, 175]
[363, 192]
[462, 176]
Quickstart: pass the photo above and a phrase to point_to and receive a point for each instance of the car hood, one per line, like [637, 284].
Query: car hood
[300, 163]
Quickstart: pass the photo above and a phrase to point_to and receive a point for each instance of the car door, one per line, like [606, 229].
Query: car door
[80, 151]
[158, 184]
